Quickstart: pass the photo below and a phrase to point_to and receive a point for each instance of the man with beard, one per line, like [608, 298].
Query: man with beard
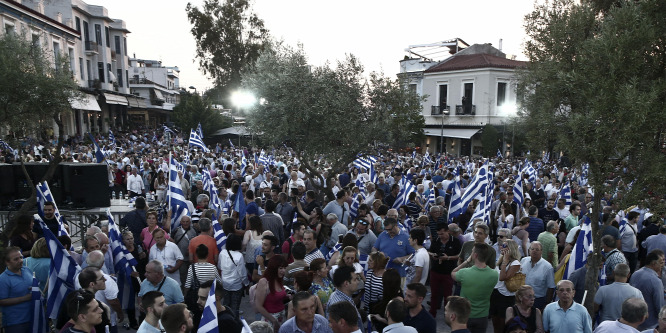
[177, 318]
[456, 313]
[153, 303]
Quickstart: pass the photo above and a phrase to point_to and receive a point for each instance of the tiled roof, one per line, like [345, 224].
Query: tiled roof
[470, 61]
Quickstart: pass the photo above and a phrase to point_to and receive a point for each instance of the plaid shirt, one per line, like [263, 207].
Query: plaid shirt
[612, 259]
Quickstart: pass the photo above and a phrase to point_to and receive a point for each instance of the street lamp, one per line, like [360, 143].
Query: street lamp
[445, 112]
[242, 99]
[194, 88]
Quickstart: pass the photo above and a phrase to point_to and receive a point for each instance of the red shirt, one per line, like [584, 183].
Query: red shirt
[209, 242]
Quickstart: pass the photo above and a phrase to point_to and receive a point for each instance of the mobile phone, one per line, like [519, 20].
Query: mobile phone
[504, 246]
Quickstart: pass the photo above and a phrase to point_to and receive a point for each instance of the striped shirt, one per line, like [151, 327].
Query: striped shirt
[205, 272]
[374, 289]
[313, 255]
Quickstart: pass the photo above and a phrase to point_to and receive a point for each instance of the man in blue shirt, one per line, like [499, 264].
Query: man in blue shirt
[648, 282]
[565, 315]
[305, 318]
[15, 293]
[395, 245]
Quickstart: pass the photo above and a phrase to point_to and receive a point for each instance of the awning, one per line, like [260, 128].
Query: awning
[133, 102]
[142, 103]
[115, 99]
[458, 133]
[88, 103]
[158, 95]
[232, 131]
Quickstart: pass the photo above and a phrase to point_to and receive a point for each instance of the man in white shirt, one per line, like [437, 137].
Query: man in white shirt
[421, 259]
[634, 313]
[168, 253]
[134, 183]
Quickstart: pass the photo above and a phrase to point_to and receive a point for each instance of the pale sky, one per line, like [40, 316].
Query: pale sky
[377, 32]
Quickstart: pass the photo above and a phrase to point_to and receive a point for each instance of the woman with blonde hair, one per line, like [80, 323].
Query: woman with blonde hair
[39, 262]
[525, 310]
[508, 265]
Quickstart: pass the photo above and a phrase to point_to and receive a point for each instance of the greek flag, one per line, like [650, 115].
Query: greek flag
[363, 261]
[353, 210]
[208, 322]
[177, 199]
[518, 195]
[406, 187]
[123, 263]
[565, 193]
[112, 138]
[220, 236]
[546, 157]
[483, 208]
[43, 196]
[426, 159]
[330, 253]
[360, 183]
[195, 140]
[4, 145]
[155, 137]
[623, 226]
[231, 144]
[243, 165]
[455, 205]
[209, 186]
[584, 175]
[365, 162]
[239, 206]
[581, 249]
[38, 322]
[61, 273]
[199, 131]
[431, 198]
[476, 188]
[98, 152]
[168, 130]
[530, 171]
[499, 153]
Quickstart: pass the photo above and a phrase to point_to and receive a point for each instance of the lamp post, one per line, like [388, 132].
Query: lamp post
[445, 112]
[194, 88]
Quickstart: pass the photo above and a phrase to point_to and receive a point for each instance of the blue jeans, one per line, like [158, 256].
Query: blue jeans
[232, 299]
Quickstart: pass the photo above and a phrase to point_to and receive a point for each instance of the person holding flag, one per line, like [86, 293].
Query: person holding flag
[15, 293]
[215, 315]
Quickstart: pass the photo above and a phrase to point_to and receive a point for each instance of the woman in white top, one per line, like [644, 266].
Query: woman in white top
[234, 275]
[505, 218]
[508, 265]
[251, 241]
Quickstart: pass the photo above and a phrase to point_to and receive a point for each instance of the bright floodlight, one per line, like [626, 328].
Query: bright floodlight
[509, 109]
[243, 99]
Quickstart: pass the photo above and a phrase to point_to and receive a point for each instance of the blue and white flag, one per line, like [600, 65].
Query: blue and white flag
[365, 162]
[530, 171]
[168, 130]
[582, 181]
[177, 199]
[431, 199]
[499, 153]
[406, 187]
[426, 159]
[455, 204]
[62, 271]
[243, 165]
[239, 207]
[43, 196]
[98, 152]
[199, 131]
[360, 183]
[353, 210]
[518, 195]
[330, 253]
[123, 263]
[581, 249]
[231, 144]
[195, 140]
[112, 138]
[565, 193]
[477, 187]
[373, 174]
[220, 236]
[5, 146]
[623, 226]
[208, 322]
[38, 322]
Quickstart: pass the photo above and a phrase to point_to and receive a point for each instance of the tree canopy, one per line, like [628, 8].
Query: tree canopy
[595, 89]
[193, 110]
[229, 39]
[328, 112]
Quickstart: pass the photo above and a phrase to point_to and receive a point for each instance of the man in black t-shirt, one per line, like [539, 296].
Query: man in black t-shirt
[444, 258]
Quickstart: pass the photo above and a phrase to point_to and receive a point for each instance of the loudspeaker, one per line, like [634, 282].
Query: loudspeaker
[7, 187]
[86, 184]
[36, 171]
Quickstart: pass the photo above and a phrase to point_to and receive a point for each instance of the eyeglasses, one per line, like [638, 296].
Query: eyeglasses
[500, 236]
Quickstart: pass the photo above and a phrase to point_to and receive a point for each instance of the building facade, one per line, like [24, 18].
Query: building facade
[158, 89]
[472, 88]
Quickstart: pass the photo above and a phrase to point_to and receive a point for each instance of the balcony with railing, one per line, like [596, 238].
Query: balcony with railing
[465, 110]
[439, 110]
[92, 47]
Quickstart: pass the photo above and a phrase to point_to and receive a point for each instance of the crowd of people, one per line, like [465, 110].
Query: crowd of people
[344, 252]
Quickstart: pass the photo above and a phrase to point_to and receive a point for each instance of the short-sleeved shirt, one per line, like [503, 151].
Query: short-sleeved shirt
[629, 238]
[570, 222]
[476, 285]
[365, 242]
[170, 289]
[541, 277]
[549, 244]
[395, 247]
[422, 322]
[451, 248]
[168, 256]
[319, 325]
[314, 254]
[14, 285]
[535, 228]
[611, 296]
[574, 319]
[209, 242]
[647, 281]
[421, 259]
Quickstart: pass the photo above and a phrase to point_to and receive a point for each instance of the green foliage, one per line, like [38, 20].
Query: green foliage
[33, 93]
[229, 39]
[328, 112]
[596, 90]
[489, 139]
[193, 110]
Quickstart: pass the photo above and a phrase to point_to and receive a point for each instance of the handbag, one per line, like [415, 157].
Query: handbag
[193, 294]
[514, 282]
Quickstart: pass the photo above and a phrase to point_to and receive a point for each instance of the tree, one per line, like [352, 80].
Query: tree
[229, 37]
[194, 110]
[595, 89]
[327, 113]
[35, 91]
[489, 140]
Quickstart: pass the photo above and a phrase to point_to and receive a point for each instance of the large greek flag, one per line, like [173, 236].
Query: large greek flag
[43, 196]
[518, 195]
[406, 187]
[581, 249]
[99, 155]
[61, 273]
[38, 322]
[208, 322]
[123, 262]
[195, 140]
[177, 199]
[200, 131]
